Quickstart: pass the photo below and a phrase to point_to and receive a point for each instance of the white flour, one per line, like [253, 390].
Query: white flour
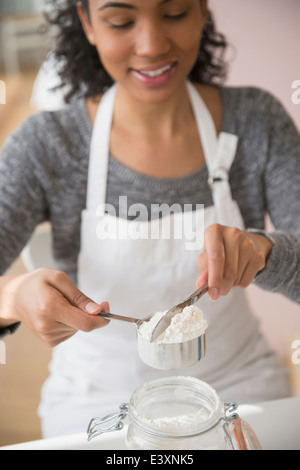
[185, 326]
[181, 423]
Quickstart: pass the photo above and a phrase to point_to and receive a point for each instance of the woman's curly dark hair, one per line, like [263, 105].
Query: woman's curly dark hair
[80, 67]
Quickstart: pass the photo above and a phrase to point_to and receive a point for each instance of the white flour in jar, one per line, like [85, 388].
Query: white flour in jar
[181, 423]
[185, 326]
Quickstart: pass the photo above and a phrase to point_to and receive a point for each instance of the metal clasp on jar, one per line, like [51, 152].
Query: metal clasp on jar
[95, 427]
[229, 417]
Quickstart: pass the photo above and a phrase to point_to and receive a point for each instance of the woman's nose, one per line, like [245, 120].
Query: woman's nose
[151, 40]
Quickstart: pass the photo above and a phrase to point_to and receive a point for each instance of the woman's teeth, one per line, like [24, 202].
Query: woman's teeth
[156, 73]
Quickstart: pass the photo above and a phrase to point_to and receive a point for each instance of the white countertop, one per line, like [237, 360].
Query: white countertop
[276, 424]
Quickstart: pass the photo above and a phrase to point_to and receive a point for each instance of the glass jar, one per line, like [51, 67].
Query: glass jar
[179, 413]
[175, 413]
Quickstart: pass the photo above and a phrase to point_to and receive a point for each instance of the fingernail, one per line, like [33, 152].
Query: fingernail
[91, 307]
[214, 293]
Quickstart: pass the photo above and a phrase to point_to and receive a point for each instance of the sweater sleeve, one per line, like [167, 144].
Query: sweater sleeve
[23, 203]
[281, 180]
[22, 200]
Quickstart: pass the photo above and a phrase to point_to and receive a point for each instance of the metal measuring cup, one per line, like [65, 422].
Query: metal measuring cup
[172, 356]
[167, 356]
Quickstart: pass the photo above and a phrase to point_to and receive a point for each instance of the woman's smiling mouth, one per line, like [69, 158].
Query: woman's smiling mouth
[154, 76]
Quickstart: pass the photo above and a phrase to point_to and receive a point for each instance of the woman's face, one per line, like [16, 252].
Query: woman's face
[147, 46]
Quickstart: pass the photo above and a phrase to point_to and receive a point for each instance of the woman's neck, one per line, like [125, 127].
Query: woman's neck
[163, 119]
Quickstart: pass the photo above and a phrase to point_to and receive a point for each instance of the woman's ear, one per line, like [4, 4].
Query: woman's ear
[85, 21]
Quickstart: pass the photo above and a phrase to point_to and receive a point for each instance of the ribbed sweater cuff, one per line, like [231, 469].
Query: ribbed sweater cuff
[281, 265]
[9, 330]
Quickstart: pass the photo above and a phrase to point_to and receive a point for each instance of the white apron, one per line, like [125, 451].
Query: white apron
[92, 373]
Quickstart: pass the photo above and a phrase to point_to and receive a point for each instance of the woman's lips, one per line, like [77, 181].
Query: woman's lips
[155, 76]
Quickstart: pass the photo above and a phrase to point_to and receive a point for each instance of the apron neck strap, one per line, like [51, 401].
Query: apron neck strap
[219, 151]
[99, 151]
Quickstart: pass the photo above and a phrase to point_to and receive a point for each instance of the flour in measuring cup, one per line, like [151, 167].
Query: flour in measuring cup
[185, 326]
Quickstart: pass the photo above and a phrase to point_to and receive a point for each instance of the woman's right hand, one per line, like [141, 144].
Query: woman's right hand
[49, 304]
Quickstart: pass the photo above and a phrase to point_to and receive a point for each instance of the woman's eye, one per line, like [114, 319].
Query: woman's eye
[177, 17]
[121, 26]
[128, 24]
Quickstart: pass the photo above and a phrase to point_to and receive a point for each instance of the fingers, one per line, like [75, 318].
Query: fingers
[76, 318]
[231, 257]
[56, 337]
[77, 302]
[62, 309]
[203, 278]
[55, 320]
[215, 250]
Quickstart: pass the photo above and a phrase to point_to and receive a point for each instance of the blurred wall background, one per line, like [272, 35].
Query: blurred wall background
[21, 6]
[265, 36]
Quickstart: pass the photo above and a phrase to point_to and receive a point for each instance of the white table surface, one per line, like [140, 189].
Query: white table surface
[276, 424]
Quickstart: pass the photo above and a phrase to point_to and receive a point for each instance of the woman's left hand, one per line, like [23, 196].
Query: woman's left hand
[231, 258]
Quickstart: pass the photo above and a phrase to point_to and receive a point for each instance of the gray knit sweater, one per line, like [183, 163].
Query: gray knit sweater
[43, 177]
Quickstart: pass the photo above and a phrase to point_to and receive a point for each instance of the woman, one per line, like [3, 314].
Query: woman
[100, 171]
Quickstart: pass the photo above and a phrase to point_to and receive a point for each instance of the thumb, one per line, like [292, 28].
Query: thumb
[94, 308]
[75, 297]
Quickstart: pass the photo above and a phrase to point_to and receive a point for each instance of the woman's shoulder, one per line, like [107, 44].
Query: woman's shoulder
[240, 104]
[252, 98]
[234, 91]
[246, 107]
[44, 128]
[66, 119]
[53, 138]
